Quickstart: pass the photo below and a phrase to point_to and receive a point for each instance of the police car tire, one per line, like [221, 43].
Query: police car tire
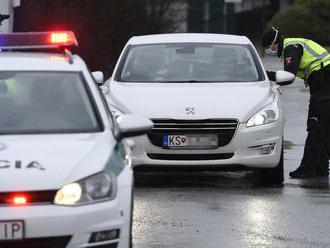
[274, 176]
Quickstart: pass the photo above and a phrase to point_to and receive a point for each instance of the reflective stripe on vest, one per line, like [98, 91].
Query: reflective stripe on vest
[313, 56]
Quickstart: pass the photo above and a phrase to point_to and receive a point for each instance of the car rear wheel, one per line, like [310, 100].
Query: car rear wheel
[274, 175]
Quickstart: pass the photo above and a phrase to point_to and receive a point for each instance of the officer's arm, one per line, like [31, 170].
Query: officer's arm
[271, 75]
[292, 55]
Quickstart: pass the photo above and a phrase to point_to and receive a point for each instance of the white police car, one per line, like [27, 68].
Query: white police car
[65, 175]
[209, 97]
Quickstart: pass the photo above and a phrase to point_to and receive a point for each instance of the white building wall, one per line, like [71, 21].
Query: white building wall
[7, 7]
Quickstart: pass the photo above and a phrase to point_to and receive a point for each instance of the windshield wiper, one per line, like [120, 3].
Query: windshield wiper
[181, 81]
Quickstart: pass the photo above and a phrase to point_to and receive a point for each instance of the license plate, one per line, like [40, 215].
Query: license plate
[12, 230]
[206, 141]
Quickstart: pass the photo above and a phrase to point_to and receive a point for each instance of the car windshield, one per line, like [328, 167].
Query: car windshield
[45, 102]
[189, 62]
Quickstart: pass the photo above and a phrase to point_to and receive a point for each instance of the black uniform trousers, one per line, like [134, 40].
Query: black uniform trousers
[317, 147]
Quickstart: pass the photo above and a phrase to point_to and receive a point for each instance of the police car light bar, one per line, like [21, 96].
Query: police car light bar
[30, 40]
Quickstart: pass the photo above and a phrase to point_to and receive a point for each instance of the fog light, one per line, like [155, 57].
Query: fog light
[104, 236]
[264, 149]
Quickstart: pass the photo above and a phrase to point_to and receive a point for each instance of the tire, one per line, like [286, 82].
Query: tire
[274, 176]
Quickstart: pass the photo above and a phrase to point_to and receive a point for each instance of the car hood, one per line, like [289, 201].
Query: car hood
[208, 100]
[47, 162]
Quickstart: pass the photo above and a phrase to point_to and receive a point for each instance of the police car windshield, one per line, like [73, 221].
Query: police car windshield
[45, 102]
[189, 63]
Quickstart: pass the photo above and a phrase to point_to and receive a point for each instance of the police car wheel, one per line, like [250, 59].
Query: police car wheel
[274, 176]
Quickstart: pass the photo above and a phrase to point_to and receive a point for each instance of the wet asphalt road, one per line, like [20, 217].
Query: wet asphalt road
[231, 209]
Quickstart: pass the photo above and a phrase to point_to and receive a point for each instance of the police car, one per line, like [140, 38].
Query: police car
[209, 98]
[65, 171]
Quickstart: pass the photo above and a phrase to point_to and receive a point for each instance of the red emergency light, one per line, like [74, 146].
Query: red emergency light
[63, 38]
[30, 40]
[19, 200]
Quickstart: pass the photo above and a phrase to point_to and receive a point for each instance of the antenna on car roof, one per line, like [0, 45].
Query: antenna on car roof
[68, 54]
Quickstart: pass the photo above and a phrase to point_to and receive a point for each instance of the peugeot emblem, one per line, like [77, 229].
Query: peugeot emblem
[190, 110]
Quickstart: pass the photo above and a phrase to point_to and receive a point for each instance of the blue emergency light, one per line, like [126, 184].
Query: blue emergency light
[30, 40]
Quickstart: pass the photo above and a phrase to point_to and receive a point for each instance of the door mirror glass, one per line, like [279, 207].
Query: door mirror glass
[98, 76]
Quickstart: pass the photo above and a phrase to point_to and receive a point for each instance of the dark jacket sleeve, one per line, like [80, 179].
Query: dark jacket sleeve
[271, 75]
[292, 55]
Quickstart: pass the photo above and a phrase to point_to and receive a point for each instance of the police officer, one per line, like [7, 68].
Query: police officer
[311, 62]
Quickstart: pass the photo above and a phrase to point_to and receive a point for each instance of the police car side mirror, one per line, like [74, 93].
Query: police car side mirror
[98, 76]
[132, 125]
[283, 77]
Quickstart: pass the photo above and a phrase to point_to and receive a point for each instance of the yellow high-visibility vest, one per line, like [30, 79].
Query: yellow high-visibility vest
[313, 56]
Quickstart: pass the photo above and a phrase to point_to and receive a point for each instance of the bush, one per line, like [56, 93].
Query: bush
[308, 19]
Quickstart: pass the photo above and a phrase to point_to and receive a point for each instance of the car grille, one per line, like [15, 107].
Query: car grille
[33, 197]
[224, 128]
[114, 245]
[190, 156]
[53, 242]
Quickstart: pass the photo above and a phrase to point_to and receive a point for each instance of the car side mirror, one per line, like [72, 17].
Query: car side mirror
[132, 125]
[284, 77]
[99, 77]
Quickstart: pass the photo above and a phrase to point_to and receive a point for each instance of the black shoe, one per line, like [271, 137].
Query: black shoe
[301, 173]
[324, 173]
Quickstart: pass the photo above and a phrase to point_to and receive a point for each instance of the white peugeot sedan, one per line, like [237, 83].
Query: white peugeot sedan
[209, 98]
[65, 173]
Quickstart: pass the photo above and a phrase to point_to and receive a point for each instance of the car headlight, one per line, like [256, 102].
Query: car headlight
[267, 115]
[96, 188]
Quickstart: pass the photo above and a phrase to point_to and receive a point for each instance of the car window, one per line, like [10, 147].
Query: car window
[189, 62]
[45, 102]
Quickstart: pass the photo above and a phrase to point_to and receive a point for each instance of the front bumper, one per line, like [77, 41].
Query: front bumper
[77, 223]
[242, 150]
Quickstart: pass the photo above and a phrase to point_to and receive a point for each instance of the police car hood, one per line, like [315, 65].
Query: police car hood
[191, 100]
[48, 162]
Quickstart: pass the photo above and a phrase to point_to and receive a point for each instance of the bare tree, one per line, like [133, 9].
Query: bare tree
[102, 26]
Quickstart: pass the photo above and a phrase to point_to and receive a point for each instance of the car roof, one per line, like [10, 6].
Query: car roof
[189, 38]
[29, 61]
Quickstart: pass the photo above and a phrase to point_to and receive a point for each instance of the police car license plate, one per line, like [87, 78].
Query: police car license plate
[12, 230]
[200, 141]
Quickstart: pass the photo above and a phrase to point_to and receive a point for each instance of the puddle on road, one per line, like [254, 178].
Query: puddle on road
[222, 180]
[317, 183]
[211, 180]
